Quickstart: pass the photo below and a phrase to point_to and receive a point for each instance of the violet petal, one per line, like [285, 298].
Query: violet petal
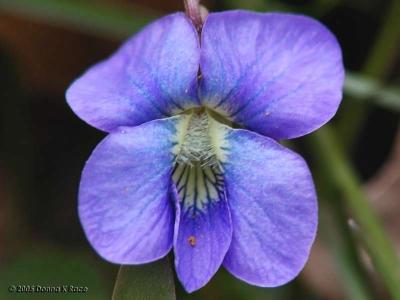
[203, 229]
[124, 205]
[280, 75]
[273, 207]
[153, 75]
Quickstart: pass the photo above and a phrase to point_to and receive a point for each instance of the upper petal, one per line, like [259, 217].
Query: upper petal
[278, 74]
[124, 206]
[151, 76]
[273, 208]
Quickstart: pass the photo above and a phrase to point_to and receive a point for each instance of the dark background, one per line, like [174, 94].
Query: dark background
[45, 44]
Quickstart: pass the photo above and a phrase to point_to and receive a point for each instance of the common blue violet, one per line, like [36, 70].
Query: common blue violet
[191, 160]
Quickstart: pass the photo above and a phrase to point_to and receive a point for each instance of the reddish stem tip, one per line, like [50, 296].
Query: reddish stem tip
[196, 13]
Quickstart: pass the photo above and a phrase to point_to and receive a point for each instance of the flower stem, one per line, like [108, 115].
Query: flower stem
[377, 66]
[196, 12]
[371, 231]
[336, 235]
[338, 238]
[365, 89]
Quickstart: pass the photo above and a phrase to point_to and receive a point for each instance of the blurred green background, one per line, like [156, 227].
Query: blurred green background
[45, 44]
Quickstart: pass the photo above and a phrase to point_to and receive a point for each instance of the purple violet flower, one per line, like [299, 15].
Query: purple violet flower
[174, 172]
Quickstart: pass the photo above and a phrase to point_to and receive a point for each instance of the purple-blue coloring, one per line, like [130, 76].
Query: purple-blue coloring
[173, 173]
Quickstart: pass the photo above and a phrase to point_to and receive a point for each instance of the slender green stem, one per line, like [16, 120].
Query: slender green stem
[375, 239]
[378, 65]
[337, 236]
[371, 231]
[387, 44]
[106, 22]
[365, 89]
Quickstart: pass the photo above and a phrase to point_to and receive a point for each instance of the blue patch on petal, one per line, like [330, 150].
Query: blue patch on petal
[203, 230]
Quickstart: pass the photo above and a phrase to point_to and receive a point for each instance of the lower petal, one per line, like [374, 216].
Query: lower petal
[124, 206]
[273, 207]
[203, 228]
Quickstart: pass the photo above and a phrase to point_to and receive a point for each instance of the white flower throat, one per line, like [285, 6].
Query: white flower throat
[200, 153]
[197, 147]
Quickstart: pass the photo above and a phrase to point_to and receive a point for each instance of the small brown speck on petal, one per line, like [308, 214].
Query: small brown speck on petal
[192, 241]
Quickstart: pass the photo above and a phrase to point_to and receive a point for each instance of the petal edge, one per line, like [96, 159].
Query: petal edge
[151, 76]
[124, 206]
[280, 75]
[273, 207]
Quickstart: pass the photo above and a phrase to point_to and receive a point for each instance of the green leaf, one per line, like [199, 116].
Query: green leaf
[152, 281]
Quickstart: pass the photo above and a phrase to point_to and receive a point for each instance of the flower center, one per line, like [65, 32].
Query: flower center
[198, 172]
[197, 148]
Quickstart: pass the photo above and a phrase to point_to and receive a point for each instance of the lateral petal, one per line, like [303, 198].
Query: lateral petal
[273, 206]
[124, 203]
